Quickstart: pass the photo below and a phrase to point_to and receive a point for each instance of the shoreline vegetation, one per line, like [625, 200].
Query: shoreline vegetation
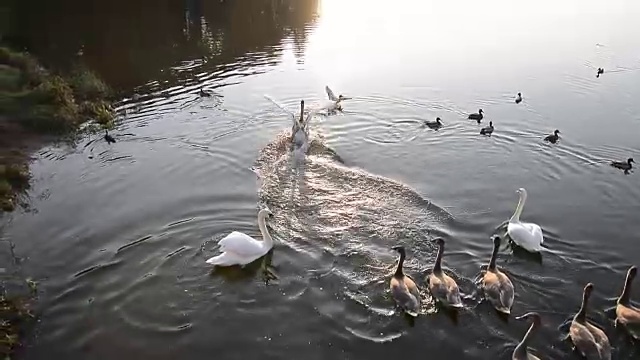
[38, 106]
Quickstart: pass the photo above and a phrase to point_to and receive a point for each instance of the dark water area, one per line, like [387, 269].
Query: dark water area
[117, 235]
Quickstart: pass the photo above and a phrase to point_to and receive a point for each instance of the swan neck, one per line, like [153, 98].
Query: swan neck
[527, 337]
[582, 314]
[626, 291]
[301, 112]
[399, 272]
[268, 241]
[438, 265]
[492, 262]
[519, 208]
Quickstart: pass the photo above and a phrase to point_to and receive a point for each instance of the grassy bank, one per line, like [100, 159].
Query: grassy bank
[36, 104]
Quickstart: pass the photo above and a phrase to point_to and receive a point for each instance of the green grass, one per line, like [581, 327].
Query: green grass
[42, 102]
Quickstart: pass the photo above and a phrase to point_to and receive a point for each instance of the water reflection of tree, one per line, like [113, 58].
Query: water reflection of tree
[132, 42]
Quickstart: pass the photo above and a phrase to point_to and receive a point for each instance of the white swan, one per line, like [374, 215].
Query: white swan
[334, 103]
[241, 249]
[299, 132]
[300, 126]
[525, 235]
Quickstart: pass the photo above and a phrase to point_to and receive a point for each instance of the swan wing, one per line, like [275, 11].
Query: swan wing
[332, 96]
[281, 107]
[498, 289]
[584, 341]
[535, 230]
[602, 341]
[507, 293]
[241, 244]
[404, 297]
[445, 290]
[528, 236]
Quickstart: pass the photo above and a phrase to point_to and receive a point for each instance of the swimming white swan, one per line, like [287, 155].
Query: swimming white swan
[334, 103]
[526, 235]
[299, 132]
[241, 249]
[298, 123]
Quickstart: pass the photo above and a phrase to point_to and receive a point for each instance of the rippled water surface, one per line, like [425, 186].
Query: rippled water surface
[117, 235]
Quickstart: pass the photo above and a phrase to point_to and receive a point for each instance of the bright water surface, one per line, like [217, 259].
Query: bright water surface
[117, 235]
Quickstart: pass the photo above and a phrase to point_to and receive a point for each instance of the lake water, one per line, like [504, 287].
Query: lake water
[117, 235]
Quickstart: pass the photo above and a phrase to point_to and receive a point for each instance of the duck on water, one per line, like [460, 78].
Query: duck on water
[435, 125]
[623, 165]
[487, 130]
[553, 138]
[519, 98]
[476, 116]
[108, 138]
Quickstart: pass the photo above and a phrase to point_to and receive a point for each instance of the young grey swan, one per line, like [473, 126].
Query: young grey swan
[497, 287]
[487, 130]
[442, 286]
[403, 288]
[477, 116]
[553, 138]
[626, 314]
[520, 352]
[590, 341]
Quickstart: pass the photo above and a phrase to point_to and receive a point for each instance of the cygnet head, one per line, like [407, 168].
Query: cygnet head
[588, 289]
[522, 191]
[398, 248]
[530, 315]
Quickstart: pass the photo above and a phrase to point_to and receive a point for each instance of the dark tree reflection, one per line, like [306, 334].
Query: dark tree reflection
[130, 43]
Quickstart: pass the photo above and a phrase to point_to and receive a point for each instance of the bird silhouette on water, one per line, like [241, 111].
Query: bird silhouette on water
[109, 138]
[476, 116]
[553, 138]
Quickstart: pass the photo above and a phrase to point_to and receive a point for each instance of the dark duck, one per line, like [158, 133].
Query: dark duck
[434, 124]
[487, 130]
[477, 116]
[109, 138]
[553, 138]
[623, 165]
